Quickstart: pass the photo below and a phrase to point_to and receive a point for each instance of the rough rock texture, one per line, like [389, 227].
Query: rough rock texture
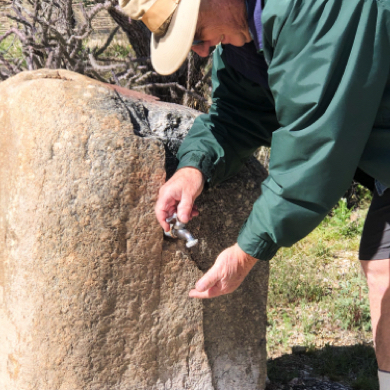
[92, 296]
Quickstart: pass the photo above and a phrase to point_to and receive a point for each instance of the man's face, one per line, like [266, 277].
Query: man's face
[220, 23]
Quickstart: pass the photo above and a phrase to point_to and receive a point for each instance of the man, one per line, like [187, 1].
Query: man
[326, 112]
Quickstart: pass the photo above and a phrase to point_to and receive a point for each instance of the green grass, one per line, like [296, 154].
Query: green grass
[318, 300]
[11, 48]
[119, 47]
[118, 50]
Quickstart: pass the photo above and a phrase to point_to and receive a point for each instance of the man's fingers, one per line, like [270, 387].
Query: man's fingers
[165, 226]
[194, 213]
[213, 292]
[184, 208]
[178, 194]
[226, 275]
[208, 280]
[162, 214]
[208, 286]
[165, 207]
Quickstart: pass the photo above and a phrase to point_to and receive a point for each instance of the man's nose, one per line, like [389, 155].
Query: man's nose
[201, 50]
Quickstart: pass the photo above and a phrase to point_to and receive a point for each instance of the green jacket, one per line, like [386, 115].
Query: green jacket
[329, 66]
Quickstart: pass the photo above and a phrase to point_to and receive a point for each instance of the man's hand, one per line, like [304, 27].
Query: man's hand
[228, 272]
[178, 195]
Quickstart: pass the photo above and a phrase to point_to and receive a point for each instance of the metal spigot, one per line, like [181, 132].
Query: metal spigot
[178, 230]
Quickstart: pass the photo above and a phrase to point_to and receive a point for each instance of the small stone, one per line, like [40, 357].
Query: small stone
[294, 381]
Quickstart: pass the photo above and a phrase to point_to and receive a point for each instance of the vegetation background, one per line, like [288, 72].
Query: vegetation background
[318, 313]
[318, 310]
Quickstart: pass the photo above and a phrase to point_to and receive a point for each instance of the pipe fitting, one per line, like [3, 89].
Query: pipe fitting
[178, 230]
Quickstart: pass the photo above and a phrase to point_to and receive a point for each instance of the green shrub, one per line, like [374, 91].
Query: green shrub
[352, 307]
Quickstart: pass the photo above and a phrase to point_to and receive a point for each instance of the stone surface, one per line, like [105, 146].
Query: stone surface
[92, 296]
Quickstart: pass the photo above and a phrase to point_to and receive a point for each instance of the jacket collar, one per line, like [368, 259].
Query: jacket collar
[254, 9]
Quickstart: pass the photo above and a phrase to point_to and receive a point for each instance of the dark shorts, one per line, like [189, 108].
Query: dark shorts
[375, 241]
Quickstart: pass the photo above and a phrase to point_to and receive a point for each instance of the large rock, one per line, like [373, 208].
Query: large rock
[92, 296]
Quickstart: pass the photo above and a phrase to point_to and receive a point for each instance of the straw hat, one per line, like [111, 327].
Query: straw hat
[172, 23]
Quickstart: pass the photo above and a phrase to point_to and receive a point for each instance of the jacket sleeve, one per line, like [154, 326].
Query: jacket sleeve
[328, 67]
[241, 118]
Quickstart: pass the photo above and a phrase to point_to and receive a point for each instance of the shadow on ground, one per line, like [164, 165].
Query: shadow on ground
[329, 368]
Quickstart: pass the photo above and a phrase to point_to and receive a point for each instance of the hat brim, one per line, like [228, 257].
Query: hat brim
[170, 51]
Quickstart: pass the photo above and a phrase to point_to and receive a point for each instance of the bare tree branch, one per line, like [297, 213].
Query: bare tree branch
[108, 42]
[49, 35]
[105, 68]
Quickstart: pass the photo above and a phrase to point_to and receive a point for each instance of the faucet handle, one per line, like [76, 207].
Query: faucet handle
[191, 241]
[171, 218]
[178, 230]
[175, 223]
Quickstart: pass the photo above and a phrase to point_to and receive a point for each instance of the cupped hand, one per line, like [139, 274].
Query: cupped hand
[178, 195]
[226, 275]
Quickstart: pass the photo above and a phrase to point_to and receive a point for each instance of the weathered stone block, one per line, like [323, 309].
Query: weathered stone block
[92, 296]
